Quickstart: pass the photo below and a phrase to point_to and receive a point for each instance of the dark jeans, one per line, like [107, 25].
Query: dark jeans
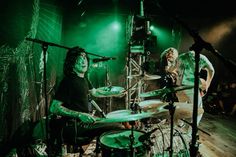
[73, 132]
[79, 133]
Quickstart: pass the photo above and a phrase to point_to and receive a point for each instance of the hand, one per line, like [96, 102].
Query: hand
[203, 87]
[86, 118]
[203, 84]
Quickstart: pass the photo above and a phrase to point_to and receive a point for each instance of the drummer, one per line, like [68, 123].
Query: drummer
[70, 104]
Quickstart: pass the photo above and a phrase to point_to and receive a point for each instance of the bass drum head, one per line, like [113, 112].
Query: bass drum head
[117, 144]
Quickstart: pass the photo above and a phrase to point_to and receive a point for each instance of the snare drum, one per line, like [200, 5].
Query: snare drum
[117, 144]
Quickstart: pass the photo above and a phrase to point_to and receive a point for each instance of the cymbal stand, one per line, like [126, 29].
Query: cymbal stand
[131, 137]
[170, 97]
[108, 83]
[171, 108]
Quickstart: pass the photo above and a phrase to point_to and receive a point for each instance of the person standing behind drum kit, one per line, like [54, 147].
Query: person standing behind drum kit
[70, 104]
[185, 70]
[180, 68]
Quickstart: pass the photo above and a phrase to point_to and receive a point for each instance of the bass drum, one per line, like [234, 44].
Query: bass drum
[161, 141]
[117, 144]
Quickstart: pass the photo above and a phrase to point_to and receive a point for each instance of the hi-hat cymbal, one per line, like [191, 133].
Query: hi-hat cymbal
[144, 77]
[109, 91]
[119, 113]
[125, 118]
[160, 92]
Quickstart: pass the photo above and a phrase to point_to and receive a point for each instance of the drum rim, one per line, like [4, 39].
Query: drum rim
[119, 148]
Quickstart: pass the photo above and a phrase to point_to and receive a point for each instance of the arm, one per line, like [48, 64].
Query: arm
[205, 84]
[210, 74]
[58, 109]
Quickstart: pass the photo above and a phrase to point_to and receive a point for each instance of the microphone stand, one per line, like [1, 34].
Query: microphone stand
[44, 46]
[108, 83]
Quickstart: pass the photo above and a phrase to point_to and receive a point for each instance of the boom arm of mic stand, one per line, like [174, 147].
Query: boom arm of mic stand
[45, 43]
[200, 44]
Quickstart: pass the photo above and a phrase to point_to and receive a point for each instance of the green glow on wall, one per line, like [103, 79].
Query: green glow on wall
[116, 26]
[163, 36]
[101, 35]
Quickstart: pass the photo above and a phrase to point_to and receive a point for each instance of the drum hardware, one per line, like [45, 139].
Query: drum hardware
[135, 108]
[146, 139]
[172, 108]
[131, 137]
[146, 135]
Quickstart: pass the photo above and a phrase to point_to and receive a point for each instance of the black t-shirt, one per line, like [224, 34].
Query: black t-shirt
[73, 92]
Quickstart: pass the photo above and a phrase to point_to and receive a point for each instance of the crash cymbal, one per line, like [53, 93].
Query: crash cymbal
[144, 77]
[125, 118]
[160, 92]
[151, 105]
[182, 110]
[109, 91]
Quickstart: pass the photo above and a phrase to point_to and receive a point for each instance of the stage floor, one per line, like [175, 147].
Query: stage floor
[222, 139]
[220, 142]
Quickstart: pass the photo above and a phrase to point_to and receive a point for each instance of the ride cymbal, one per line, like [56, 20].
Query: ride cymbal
[160, 92]
[144, 77]
[182, 110]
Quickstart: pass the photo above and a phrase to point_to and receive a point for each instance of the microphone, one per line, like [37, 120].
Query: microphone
[98, 108]
[145, 136]
[103, 59]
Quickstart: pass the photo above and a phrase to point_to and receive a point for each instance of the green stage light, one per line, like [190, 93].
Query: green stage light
[116, 26]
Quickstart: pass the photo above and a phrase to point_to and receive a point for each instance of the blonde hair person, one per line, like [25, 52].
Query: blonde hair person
[168, 62]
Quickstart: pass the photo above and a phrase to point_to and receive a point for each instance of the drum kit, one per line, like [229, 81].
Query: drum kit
[144, 140]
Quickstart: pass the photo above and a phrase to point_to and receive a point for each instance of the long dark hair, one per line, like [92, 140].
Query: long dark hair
[71, 58]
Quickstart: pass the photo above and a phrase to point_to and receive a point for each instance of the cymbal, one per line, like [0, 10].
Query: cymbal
[125, 118]
[118, 113]
[109, 91]
[145, 77]
[182, 110]
[154, 105]
[160, 92]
